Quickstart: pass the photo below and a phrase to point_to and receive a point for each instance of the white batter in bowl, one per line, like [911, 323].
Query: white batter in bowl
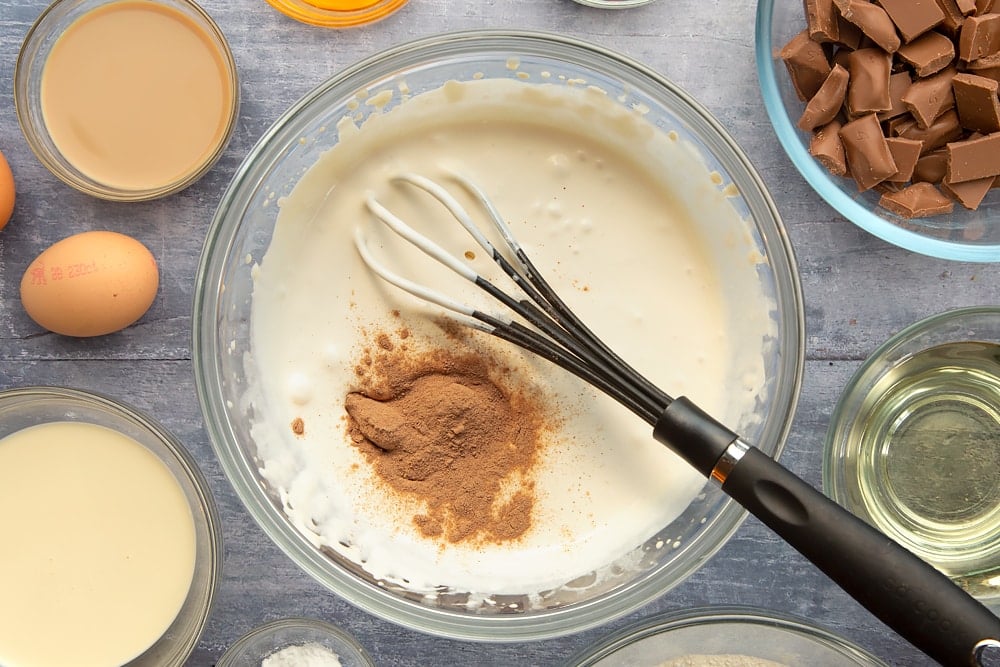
[649, 223]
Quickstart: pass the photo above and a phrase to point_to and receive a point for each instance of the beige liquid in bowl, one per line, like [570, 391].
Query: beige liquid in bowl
[136, 96]
[99, 547]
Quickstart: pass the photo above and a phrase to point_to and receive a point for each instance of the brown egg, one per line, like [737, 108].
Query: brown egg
[90, 284]
[6, 192]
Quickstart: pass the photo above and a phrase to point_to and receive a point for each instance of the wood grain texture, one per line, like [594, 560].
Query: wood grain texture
[858, 292]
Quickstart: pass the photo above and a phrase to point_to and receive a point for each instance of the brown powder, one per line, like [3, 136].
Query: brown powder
[444, 428]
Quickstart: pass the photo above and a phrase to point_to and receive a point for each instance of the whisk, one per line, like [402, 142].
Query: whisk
[914, 599]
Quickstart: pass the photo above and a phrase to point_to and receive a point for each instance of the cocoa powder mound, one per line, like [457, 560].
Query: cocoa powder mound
[445, 428]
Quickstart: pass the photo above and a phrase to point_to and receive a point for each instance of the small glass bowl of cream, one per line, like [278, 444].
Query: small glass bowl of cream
[337, 13]
[914, 444]
[126, 100]
[724, 635]
[296, 642]
[91, 490]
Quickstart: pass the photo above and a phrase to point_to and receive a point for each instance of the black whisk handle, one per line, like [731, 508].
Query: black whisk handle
[914, 599]
[917, 601]
[690, 432]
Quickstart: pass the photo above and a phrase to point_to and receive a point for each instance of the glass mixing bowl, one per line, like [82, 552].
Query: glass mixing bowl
[240, 234]
[972, 236]
[744, 631]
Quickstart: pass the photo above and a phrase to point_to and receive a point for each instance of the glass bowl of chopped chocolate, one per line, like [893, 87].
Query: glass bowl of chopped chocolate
[432, 474]
[890, 112]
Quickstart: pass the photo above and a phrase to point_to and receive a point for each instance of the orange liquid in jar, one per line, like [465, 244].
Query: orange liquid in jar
[343, 5]
[136, 95]
[337, 13]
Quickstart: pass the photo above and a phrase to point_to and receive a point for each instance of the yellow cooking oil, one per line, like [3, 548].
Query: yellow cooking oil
[927, 467]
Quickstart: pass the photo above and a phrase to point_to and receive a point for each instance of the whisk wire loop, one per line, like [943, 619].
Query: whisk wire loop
[558, 335]
[503, 328]
[552, 302]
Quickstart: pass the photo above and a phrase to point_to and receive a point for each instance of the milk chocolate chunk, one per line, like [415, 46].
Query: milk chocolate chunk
[918, 200]
[946, 128]
[899, 83]
[988, 66]
[977, 103]
[806, 63]
[979, 36]
[899, 125]
[985, 6]
[868, 88]
[828, 149]
[931, 168]
[905, 153]
[826, 103]
[953, 16]
[973, 159]
[929, 53]
[868, 155]
[850, 34]
[969, 194]
[928, 98]
[873, 21]
[821, 17]
[967, 7]
[913, 17]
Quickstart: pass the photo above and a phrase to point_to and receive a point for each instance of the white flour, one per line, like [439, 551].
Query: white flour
[302, 655]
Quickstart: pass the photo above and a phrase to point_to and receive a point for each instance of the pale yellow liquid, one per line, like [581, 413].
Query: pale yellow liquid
[136, 96]
[98, 547]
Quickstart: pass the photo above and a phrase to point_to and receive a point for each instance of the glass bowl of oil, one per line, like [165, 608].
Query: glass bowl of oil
[914, 445]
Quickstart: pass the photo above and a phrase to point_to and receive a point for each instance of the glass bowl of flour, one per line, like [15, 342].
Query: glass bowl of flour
[724, 637]
[296, 642]
[516, 502]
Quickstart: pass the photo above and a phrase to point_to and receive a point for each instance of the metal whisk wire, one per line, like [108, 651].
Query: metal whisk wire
[557, 334]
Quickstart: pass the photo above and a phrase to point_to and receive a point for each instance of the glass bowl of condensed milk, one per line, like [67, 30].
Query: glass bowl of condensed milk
[126, 100]
[913, 445]
[113, 547]
[590, 519]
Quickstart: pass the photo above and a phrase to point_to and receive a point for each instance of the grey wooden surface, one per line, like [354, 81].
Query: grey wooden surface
[858, 291]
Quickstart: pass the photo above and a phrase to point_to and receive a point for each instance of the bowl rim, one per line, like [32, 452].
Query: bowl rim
[719, 615]
[79, 180]
[237, 467]
[820, 180]
[292, 622]
[171, 445]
